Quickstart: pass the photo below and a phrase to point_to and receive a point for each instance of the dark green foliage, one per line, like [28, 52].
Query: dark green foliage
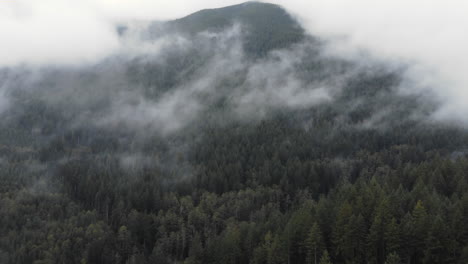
[393, 258]
[325, 258]
[355, 222]
[314, 244]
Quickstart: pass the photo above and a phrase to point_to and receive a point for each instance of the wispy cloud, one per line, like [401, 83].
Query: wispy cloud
[428, 35]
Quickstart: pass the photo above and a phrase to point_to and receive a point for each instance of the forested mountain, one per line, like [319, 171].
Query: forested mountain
[227, 136]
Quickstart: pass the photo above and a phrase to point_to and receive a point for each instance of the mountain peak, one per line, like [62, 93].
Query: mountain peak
[268, 26]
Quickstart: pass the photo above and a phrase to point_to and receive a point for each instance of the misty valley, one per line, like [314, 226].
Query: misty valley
[231, 135]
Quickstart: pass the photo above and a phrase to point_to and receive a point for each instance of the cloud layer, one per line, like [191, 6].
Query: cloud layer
[428, 35]
[53, 32]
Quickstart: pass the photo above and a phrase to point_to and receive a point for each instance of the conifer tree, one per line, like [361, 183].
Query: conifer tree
[314, 244]
[325, 259]
[392, 236]
[393, 258]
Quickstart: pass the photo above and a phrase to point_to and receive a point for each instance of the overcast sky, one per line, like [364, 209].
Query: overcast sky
[432, 34]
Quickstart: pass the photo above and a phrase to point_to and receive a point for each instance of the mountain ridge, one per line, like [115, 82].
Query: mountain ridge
[267, 26]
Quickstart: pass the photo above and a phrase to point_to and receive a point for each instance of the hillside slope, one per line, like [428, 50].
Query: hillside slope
[203, 142]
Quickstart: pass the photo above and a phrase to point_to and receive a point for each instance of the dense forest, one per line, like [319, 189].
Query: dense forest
[241, 141]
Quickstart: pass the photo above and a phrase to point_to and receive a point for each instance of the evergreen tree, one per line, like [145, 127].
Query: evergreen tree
[377, 232]
[419, 231]
[325, 259]
[393, 258]
[392, 236]
[437, 243]
[196, 250]
[124, 243]
[158, 256]
[314, 244]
